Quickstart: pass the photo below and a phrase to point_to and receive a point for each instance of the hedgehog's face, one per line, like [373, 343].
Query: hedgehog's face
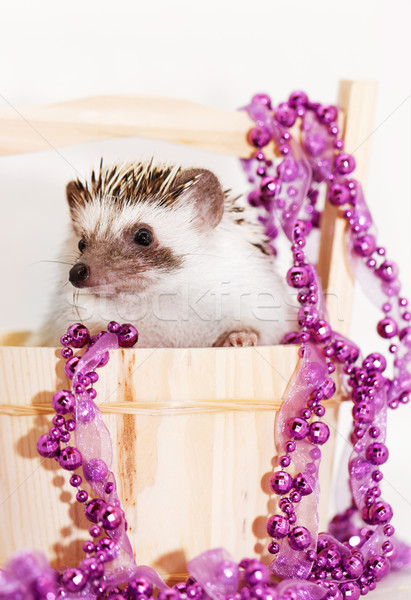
[137, 234]
[124, 251]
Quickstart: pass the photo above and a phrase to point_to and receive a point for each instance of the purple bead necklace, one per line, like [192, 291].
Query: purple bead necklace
[359, 549]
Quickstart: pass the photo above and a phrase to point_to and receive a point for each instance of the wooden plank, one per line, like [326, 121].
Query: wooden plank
[31, 129]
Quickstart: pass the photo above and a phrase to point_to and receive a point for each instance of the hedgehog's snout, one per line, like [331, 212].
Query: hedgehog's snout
[79, 274]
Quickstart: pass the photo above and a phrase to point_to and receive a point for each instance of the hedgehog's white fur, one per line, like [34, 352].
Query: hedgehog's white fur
[223, 285]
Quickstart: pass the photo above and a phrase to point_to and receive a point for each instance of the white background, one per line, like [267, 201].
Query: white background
[219, 53]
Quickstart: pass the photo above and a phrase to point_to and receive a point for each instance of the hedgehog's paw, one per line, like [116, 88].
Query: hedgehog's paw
[240, 339]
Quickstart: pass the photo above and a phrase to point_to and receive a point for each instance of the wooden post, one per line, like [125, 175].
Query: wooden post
[357, 99]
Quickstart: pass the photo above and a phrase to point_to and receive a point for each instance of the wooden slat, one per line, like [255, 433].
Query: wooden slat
[357, 99]
[30, 129]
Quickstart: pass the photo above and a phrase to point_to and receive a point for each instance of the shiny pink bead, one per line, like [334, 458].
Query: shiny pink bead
[285, 115]
[298, 98]
[378, 566]
[94, 508]
[278, 527]
[344, 163]
[322, 331]
[302, 484]
[281, 482]
[377, 453]
[47, 446]
[73, 580]
[380, 513]
[298, 277]
[354, 566]
[80, 335]
[127, 336]
[139, 586]
[327, 114]
[338, 194]
[297, 428]
[363, 412]
[375, 361]
[70, 458]
[299, 538]
[387, 328]
[258, 137]
[387, 271]
[269, 186]
[262, 99]
[350, 590]
[319, 432]
[111, 517]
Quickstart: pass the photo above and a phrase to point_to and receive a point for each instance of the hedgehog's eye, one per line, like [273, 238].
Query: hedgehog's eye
[143, 236]
[82, 245]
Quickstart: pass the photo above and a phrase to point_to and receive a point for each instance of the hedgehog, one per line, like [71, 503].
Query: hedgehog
[168, 250]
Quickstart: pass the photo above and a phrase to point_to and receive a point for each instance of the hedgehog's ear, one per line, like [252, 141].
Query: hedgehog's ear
[206, 192]
[77, 195]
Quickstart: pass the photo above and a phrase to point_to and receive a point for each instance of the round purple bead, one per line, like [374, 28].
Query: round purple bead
[127, 336]
[298, 98]
[387, 271]
[344, 163]
[70, 366]
[80, 335]
[73, 580]
[354, 566]
[139, 586]
[278, 527]
[47, 447]
[302, 485]
[377, 453]
[363, 412]
[256, 573]
[322, 331]
[262, 98]
[93, 509]
[380, 513]
[338, 194]
[319, 432]
[378, 566]
[297, 428]
[70, 458]
[258, 137]
[350, 590]
[327, 114]
[375, 361]
[285, 115]
[299, 538]
[281, 482]
[364, 245]
[387, 328]
[63, 402]
[298, 277]
[111, 517]
[93, 568]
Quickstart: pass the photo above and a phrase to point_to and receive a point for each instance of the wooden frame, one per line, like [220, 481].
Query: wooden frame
[201, 417]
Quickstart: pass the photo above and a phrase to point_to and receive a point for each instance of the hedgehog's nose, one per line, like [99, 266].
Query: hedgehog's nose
[79, 274]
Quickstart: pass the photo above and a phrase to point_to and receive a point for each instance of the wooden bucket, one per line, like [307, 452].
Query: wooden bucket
[192, 429]
[193, 451]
